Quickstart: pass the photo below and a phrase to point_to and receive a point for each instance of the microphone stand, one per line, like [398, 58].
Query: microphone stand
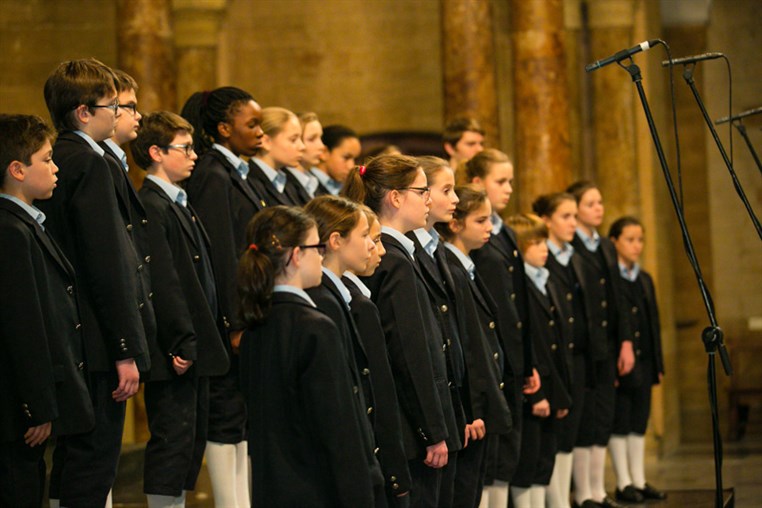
[688, 77]
[712, 336]
[737, 121]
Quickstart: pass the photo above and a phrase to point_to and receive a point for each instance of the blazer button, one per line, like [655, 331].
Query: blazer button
[637, 335]
[395, 486]
[496, 356]
[510, 268]
[262, 203]
[501, 385]
[568, 296]
[393, 478]
[376, 450]
[78, 326]
[129, 227]
[552, 323]
[141, 305]
[81, 366]
[449, 343]
[196, 258]
[370, 410]
[365, 371]
[70, 289]
[355, 389]
[637, 353]
[553, 347]
[515, 253]
[443, 308]
[513, 296]
[634, 310]
[144, 222]
[444, 347]
[140, 268]
[604, 323]
[571, 320]
[571, 345]
[491, 325]
[519, 325]
[602, 281]
[147, 259]
[150, 295]
[604, 304]
[449, 384]
[552, 308]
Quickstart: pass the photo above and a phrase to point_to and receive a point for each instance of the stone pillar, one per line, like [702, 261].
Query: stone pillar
[614, 140]
[541, 98]
[469, 64]
[197, 27]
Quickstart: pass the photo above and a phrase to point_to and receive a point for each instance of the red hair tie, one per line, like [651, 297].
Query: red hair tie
[253, 246]
[361, 170]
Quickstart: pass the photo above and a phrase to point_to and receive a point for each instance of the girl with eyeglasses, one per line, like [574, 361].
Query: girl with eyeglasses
[307, 443]
[395, 188]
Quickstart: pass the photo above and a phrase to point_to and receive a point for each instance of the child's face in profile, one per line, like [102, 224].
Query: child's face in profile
[498, 184]
[286, 147]
[536, 253]
[590, 209]
[469, 144]
[377, 252]
[443, 197]
[340, 161]
[476, 228]
[129, 120]
[244, 130]
[313, 144]
[175, 162]
[629, 245]
[40, 175]
[357, 246]
[102, 123]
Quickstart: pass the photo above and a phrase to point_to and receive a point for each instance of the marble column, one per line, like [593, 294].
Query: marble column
[541, 96]
[468, 51]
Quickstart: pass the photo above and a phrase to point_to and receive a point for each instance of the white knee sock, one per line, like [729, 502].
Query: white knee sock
[221, 464]
[618, 451]
[243, 477]
[636, 449]
[158, 501]
[560, 482]
[537, 496]
[581, 474]
[110, 498]
[521, 497]
[55, 503]
[597, 471]
[495, 495]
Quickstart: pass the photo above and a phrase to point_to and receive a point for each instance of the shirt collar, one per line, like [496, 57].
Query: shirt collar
[497, 223]
[306, 179]
[276, 177]
[333, 186]
[360, 284]
[465, 260]
[283, 288]
[538, 275]
[406, 242]
[119, 153]
[562, 254]
[630, 275]
[240, 165]
[345, 294]
[591, 242]
[429, 240]
[33, 211]
[90, 142]
[175, 193]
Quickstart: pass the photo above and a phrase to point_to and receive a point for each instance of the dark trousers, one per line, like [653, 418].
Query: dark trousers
[84, 465]
[598, 408]
[227, 407]
[447, 486]
[178, 414]
[568, 428]
[426, 482]
[469, 478]
[22, 474]
[633, 405]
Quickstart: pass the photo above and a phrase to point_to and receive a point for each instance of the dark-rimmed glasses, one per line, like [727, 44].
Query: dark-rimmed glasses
[114, 106]
[423, 191]
[187, 148]
[131, 108]
[319, 247]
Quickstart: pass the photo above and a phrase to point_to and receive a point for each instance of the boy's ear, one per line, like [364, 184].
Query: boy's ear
[154, 152]
[449, 149]
[82, 114]
[16, 170]
[477, 180]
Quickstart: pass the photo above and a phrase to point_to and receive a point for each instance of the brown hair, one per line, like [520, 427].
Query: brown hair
[579, 188]
[471, 198]
[454, 130]
[432, 165]
[273, 120]
[159, 129]
[529, 228]
[74, 83]
[307, 117]
[479, 165]
[124, 82]
[381, 175]
[21, 136]
[369, 214]
[271, 235]
[617, 228]
[333, 214]
[547, 204]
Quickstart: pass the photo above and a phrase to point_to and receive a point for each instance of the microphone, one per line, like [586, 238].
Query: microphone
[621, 55]
[691, 59]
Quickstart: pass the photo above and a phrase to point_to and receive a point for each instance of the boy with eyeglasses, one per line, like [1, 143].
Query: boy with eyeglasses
[83, 217]
[190, 331]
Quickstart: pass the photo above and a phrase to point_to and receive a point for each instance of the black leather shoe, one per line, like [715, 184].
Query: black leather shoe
[610, 503]
[649, 492]
[629, 494]
[587, 503]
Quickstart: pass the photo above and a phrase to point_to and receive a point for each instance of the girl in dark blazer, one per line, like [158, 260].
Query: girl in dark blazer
[395, 187]
[501, 268]
[550, 331]
[633, 395]
[341, 152]
[300, 177]
[281, 148]
[482, 394]
[225, 200]
[307, 445]
[387, 428]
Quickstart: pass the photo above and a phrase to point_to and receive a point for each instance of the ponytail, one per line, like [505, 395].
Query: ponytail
[370, 184]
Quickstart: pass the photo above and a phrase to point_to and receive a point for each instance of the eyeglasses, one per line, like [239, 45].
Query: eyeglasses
[114, 106]
[423, 191]
[188, 148]
[320, 247]
[132, 108]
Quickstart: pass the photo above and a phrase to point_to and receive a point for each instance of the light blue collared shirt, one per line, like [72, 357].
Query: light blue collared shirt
[538, 275]
[276, 176]
[175, 193]
[466, 261]
[33, 211]
[497, 223]
[119, 153]
[360, 285]
[591, 243]
[562, 254]
[429, 240]
[240, 165]
[90, 142]
[333, 186]
[345, 294]
[406, 242]
[283, 288]
[630, 275]
[306, 179]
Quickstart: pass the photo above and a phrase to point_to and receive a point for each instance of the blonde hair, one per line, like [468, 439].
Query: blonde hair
[273, 120]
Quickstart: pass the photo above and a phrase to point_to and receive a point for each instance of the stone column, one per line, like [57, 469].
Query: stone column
[469, 64]
[614, 139]
[541, 98]
[197, 27]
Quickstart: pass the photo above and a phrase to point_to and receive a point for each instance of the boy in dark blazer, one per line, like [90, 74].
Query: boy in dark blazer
[189, 346]
[83, 216]
[42, 366]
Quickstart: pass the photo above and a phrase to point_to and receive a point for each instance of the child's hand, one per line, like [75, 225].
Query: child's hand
[129, 380]
[37, 435]
[532, 383]
[181, 366]
[475, 431]
[562, 413]
[626, 360]
[541, 409]
[436, 455]
[235, 340]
